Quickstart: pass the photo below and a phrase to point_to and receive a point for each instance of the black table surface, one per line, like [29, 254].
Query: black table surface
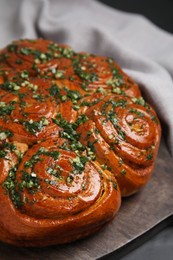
[160, 12]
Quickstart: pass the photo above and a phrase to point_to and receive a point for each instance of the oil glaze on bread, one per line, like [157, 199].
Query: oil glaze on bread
[75, 136]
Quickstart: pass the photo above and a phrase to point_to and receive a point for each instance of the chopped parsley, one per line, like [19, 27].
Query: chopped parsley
[35, 126]
[5, 134]
[6, 109]
[154, 118]
[123, 172]
[29, 181]
[79, 164]
[136, 112]
[8, 85]
[10, 187]
[149, 156]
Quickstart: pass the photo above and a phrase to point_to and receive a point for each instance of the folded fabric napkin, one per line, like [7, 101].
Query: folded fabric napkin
[144, 51]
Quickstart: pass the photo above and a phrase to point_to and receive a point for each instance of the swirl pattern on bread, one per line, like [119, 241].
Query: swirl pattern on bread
[75, 136]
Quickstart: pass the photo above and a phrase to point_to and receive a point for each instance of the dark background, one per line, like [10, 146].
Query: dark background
[159, 12]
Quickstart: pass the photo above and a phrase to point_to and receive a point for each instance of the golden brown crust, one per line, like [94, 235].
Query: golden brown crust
[73, 129]
[57, 209]
[126, 139]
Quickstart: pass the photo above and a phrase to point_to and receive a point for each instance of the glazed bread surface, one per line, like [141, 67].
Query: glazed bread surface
[75, 136]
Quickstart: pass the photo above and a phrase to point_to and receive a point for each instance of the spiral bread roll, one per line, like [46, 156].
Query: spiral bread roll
[75, 136]
[125, 137]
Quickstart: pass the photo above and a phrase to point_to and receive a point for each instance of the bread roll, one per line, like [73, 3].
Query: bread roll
[75, 136]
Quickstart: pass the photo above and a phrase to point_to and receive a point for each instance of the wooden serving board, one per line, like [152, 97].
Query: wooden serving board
[140, 216]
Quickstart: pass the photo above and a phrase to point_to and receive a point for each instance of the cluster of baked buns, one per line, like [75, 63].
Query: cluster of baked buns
[75, 136]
